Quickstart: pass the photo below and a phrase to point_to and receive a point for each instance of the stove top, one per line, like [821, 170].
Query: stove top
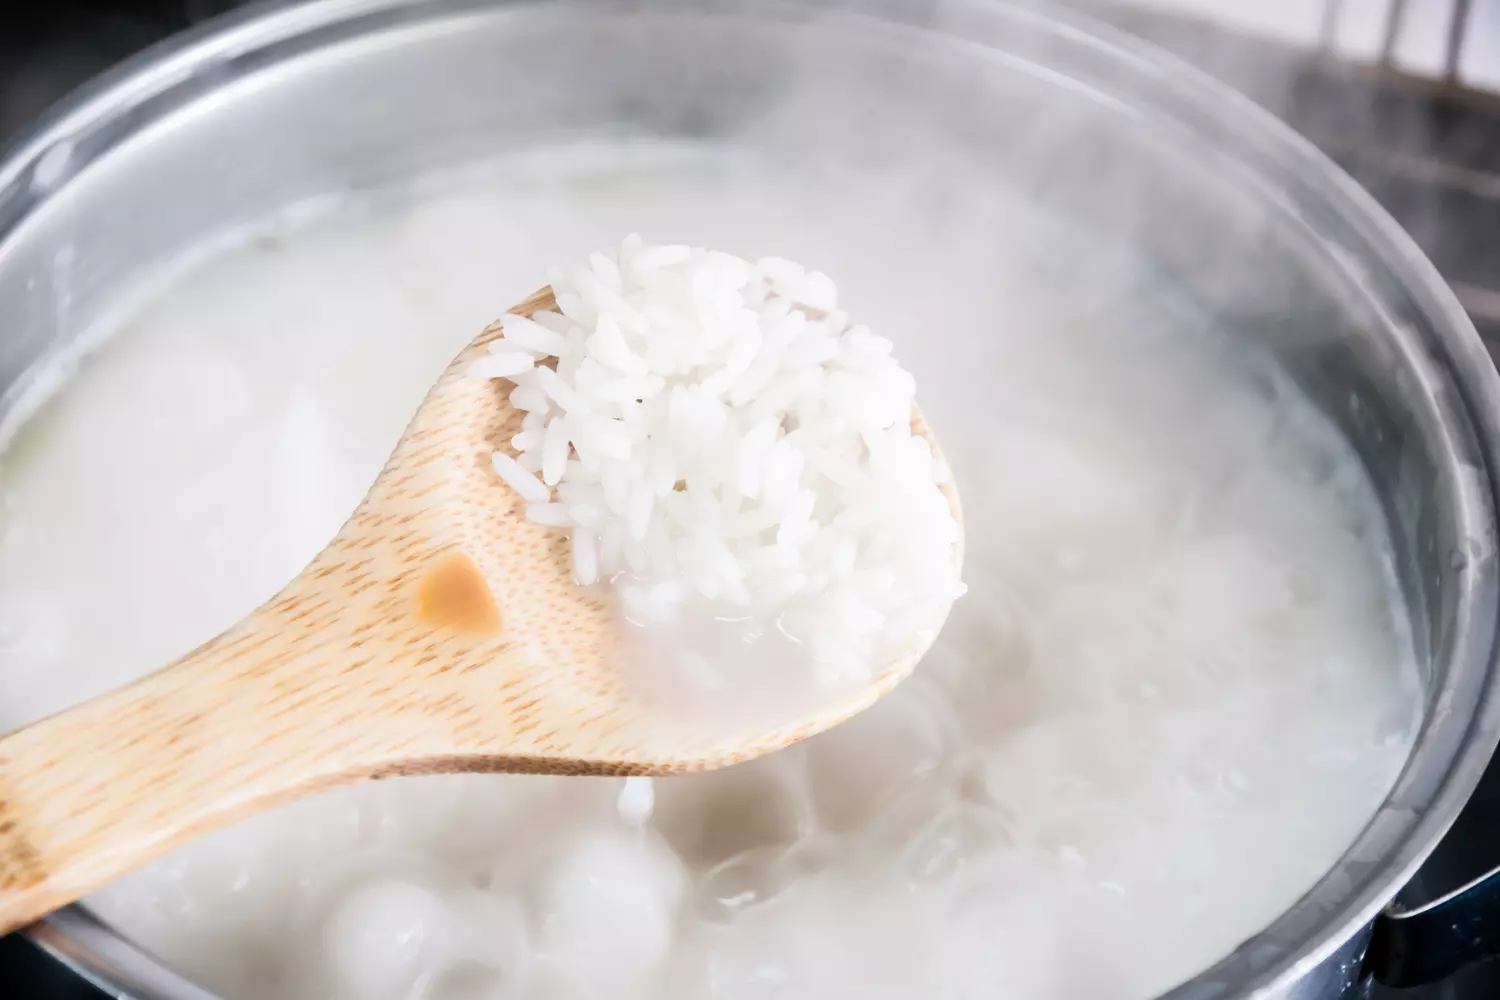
[1429, 150]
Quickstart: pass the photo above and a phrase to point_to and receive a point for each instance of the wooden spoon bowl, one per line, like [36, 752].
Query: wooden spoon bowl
[440, 631]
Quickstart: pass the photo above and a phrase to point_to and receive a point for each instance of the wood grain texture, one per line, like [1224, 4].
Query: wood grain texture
[439, 631]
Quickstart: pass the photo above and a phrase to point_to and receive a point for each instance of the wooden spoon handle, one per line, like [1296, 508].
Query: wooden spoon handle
[297, 698]
[100, 789]
[389, 654]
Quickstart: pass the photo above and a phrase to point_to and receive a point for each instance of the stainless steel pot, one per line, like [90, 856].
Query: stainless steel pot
[1246, 221]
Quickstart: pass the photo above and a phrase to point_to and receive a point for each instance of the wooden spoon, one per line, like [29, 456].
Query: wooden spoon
[440, 631]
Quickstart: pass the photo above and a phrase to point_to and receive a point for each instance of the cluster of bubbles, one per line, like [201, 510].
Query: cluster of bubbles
[766, 878]
[1069, 774]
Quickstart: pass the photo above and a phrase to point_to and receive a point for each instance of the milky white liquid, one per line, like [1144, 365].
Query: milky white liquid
[1177, 690]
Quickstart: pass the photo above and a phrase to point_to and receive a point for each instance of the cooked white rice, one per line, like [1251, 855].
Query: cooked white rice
[716, 434]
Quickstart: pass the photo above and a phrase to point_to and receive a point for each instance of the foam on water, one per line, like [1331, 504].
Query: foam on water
[1178, 688]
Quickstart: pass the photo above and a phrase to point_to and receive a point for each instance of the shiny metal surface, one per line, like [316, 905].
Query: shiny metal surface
[1253, 226]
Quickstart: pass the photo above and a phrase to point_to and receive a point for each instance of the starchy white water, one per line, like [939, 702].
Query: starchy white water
[1178, 687]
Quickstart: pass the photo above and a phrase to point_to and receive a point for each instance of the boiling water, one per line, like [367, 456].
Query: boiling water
[1177, 690]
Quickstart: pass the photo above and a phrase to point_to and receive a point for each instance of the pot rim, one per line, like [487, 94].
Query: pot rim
[41, 162]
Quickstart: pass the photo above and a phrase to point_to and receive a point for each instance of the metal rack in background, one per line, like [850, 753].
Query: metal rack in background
[1397, 18]
[1427, 147]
